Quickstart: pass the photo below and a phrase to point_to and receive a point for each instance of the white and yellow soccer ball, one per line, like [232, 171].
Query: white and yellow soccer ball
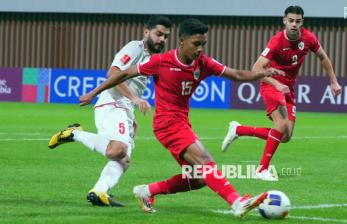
[275, 206]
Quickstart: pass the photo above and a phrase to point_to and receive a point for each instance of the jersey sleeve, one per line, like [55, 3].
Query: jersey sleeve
[270, 50]
[213, 67]
[315, 45]
[128, 55]
[149, 67]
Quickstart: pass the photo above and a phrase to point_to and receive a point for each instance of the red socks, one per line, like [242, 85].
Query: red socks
[215, 181]
[252, 131]
[173, 185]
[212, 177]
[272, 143]
[273, 139]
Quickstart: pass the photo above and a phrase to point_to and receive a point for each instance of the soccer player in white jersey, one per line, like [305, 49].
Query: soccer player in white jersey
[114, 113]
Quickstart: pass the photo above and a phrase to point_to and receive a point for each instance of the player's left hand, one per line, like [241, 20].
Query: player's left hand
[282, 88]
[86, 99]
[335, 88]
[143, 105]
[269, 72]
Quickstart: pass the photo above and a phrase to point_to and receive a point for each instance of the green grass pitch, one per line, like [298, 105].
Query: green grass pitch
[38, 185]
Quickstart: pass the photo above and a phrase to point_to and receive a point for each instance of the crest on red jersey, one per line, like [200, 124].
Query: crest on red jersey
[301, 45]
[197, 74]
[125, 59]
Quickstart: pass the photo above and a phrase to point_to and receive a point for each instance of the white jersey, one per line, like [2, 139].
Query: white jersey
[131, 54]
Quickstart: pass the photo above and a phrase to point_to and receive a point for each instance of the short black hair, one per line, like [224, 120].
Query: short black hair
[153, 21]
[191, 27]
[295, 9]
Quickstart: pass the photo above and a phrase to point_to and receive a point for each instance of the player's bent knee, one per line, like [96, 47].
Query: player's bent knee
[281, 127]
[287, 134]
[197, 184]
[197, 155]
[116, 150]
[286, 139]
[205, 159]
[125, 163]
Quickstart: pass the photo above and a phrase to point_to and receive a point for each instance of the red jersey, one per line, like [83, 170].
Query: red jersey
[288, 55]
[175, 82]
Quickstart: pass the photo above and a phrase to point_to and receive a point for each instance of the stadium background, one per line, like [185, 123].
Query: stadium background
[42, 39]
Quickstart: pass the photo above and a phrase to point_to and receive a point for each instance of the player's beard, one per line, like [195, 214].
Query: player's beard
[293, 34]
[155, 48]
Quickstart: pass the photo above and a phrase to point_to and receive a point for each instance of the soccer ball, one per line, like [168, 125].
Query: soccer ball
[275, 206]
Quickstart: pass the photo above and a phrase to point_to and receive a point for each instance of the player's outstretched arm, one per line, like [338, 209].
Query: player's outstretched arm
[263, 63]
[116, 78]
[123, 87]
[245, 75]
[113, 70]
[326, 63]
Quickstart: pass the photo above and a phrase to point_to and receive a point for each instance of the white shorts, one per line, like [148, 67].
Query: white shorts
[116, 124]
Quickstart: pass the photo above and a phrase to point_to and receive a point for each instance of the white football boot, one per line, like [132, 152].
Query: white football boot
[231, 135]
[244, 204]
[265, 175]
[142, 193]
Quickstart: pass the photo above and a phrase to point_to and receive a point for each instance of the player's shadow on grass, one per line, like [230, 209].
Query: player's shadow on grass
[128, 200]
[108, 212]
[40, 202]
[32, 208]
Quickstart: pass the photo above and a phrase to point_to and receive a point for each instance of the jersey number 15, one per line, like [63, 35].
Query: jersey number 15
[187, 87]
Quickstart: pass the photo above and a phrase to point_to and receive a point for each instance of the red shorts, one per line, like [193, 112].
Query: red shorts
[175, 135]
[273, 98]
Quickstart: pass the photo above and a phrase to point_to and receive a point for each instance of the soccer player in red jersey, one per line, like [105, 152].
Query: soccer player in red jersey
[177, 73]
[286, 51]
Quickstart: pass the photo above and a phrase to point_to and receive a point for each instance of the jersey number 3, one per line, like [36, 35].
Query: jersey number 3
[187, 87]
[295, 59]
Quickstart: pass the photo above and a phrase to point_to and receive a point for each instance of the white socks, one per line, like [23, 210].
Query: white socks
[109, 176]
[112, 171]
[92, 141]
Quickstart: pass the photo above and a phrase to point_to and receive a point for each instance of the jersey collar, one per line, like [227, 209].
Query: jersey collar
[181, 63]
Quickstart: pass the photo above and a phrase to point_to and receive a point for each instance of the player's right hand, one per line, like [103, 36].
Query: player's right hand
[143, 105]
[86, 99]
[269, 72]
[336, 88]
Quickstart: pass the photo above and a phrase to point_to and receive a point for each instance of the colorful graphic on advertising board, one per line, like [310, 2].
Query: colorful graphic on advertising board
[10, 84]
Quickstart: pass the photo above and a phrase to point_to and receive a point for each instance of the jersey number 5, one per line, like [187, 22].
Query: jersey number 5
[187, 87]
[121, 128]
